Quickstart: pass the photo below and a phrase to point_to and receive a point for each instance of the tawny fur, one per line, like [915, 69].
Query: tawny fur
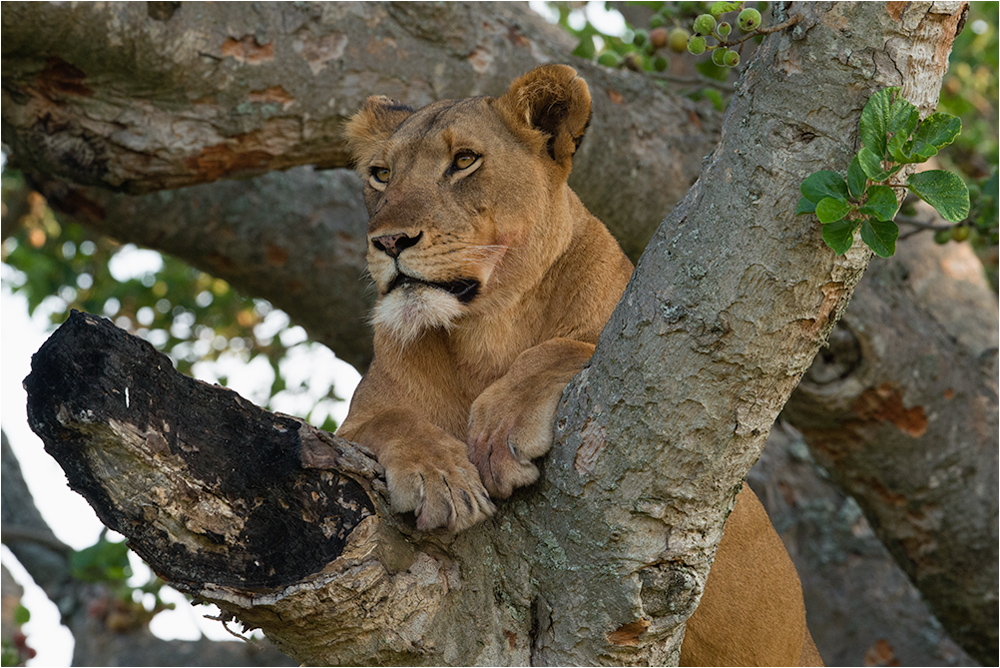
[462, 392]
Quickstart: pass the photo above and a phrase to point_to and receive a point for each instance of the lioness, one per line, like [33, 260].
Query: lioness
[494, 283]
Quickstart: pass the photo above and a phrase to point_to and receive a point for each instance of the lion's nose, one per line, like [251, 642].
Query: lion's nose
[394, 244]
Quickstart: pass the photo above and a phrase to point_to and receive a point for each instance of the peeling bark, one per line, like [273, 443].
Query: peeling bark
[85, 606]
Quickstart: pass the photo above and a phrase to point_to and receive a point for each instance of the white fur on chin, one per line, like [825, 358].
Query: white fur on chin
[410, 310]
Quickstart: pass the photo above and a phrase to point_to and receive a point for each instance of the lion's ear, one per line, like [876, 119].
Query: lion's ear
[552, 99]
[375, 123]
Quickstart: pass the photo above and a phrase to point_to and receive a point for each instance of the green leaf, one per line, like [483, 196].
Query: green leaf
[102, 561]
[903, 118]
[920, 151]
[832, 209]
[881, 203]
[938, 130]
[943, 190]
[22, 615]
[856, 178]
[711, 70]
[720, 8]
[715, 97]
[805, 206]
[871, 165]
[896, 147]
[880, 235]
[824, 184]
[875, 120]
[839, 235]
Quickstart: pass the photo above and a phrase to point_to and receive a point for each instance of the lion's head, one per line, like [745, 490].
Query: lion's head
[463, 197]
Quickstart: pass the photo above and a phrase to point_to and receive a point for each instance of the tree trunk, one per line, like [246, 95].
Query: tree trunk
[902, 410]
[603, 561]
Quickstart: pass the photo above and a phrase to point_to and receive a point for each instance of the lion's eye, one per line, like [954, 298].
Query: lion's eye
[381, 174]
[464, 160]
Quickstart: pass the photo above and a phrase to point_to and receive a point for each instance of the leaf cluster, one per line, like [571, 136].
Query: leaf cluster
[892, 136]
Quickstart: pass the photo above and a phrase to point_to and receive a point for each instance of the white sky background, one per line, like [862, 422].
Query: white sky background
[67, 513]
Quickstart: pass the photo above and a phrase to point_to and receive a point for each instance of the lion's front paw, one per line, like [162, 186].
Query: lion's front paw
[505, 434]
[440, 486]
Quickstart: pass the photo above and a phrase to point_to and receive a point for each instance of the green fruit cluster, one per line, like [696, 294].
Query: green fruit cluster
[710, 26]
[709, 32]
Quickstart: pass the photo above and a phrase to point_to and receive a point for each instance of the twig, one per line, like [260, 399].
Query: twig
[763, 31]
[694, 81]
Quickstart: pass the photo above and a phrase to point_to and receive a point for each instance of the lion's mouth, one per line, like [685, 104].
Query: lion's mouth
[464, 289]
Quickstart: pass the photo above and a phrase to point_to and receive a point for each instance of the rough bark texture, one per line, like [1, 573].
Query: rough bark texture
[615, 578]
[918, 343]
[863, 610]
[85, 606]
[724, 315]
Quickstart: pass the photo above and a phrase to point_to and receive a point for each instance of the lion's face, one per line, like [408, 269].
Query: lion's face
[457, 195]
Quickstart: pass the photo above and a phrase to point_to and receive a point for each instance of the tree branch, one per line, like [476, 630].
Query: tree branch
[718, 361]
[81, 105]
[901, 409]
[45, 558]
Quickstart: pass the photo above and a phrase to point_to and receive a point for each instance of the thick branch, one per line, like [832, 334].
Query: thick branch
[902, 411]
[119, 96]
[296, 238]
[279, 524]
[84, 605]
[728, 306]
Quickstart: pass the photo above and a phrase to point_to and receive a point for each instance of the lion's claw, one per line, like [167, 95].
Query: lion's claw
[442, 490]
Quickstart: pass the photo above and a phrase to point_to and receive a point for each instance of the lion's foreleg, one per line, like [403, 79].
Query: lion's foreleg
[511, 421]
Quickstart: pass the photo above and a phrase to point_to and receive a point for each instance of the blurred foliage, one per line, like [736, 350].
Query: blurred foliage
[656, 42]
[186, 313]
[127, 607]
[970, 91]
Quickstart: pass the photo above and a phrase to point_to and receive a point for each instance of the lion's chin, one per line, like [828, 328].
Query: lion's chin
[410, 310]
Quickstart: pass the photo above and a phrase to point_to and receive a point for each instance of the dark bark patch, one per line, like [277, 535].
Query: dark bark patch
[272, 95]
[61, 78]
[195, 445]
[162, 11]
[215, 162]
[276, 255]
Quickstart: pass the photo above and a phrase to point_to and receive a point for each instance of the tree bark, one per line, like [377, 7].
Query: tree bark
[606, 559]
[863, 610]
[902, 411]
[710, 329]
[84, 605]
[125, 97]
